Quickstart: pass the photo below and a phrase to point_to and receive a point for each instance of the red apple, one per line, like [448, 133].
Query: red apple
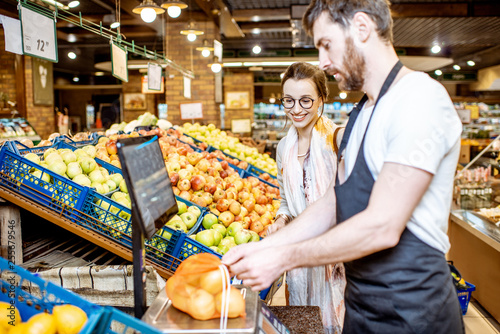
[249, 205]
[186, 195]
[208, 197]
[210, 188]
[226, 218]
[256, 226]
[253, 181]
[246, 222]
[223, 174]
[264, 176]
[198, 183]
[222, 205]
[259, 209]
[219, 194]
[199, 199]
[174, 178]
[203, 165]
[185, 174]
[184, 184]
[243, 196]
[235, 208]
[224, 164]
[231, 194]
[111, 147]
[193, 158]
[265, 220]
[182, 150]
[244, 211]
[238, 184]
[261, 199]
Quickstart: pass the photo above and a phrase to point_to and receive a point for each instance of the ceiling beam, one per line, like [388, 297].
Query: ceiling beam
[258, 15]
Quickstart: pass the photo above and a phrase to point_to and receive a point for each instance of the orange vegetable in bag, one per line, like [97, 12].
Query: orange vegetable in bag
[197, 288]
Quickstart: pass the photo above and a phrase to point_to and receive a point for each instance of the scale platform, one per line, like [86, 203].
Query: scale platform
[258, 319]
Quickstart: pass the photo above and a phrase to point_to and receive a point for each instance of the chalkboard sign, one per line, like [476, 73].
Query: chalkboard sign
[150, 190]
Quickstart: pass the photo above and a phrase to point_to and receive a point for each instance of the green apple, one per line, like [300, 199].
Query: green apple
[220, 228]
[117, 195]
[33, 158]
[228, 242]
[96, 176]
[123, 187]
[182, 207]
[233, 228]
[117, 178]
[223, 249]
[217, 237]
[189, 219]
[82, 180]
[123, 201]
[58, 166]
[209, 220]
[74, 169]
[68, 157]
[242, 237]
[53, 157]
[194, 210]
[105, 173]
[81, 153]
[90, 150]
[177, 224]
[193, 236]
[111, 185]
[206, 237]
[105, 187]
[255, 237]
[215, 249]
[88, 165]
[164, 233]
[98, 187]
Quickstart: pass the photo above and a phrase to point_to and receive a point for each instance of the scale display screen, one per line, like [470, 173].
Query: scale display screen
[150, 190]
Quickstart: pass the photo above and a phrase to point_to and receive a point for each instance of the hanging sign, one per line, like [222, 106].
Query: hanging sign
[146, 90]
[218, 49]
[39, 35]
[187, 88]
[191, 110]
[119, 62]
[154, 76]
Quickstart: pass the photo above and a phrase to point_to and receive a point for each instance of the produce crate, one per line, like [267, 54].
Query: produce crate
[247, 174]
[77, 144]
[464, 296]
[257, 171]
[49, 189]
[114, 321]
[32, 295]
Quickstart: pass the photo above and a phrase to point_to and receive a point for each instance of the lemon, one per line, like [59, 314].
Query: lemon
[69, 319]
[41, 323]
[9, 316]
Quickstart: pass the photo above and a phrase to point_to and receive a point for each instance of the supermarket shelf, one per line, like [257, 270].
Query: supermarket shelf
[58, 219]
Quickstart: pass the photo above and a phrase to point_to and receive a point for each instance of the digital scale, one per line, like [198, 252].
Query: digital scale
[153, 205]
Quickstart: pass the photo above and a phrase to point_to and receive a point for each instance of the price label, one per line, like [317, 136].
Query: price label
[119, 62]
[154, 76]
[191, 110]
[39, 35]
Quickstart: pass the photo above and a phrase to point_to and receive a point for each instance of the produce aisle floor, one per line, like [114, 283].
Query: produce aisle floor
[477, 320]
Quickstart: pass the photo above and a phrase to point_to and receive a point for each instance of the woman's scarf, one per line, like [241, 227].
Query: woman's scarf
[322, 162]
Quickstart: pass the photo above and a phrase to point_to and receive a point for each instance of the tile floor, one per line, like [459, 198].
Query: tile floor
[477, 320]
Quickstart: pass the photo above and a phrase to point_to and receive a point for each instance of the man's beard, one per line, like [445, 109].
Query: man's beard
[354, 68]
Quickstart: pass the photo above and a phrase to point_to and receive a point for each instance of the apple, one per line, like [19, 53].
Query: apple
[222, 249]
[57, 166]
[209, 220]
[197, 182]
[210, 187]
[73, 169]
[48, 152]
[259, 209]
[176, 191]
[82, 180]
[222, 205]
[249, 205]
[111, 147]
[193, 158]
[226, 218]
[243, 196]
[182, 207]
[116, 178]
[255, 237]
[45, 177]
[227, 242]
[177, 224]
[253, 181]
[194, 210]
[208, 198]
[111, 185]
[185, 174]
[220, 228]
[233, 228]
[91, 150]
[215, 249]
[235, 208]
[88, 164]
[96, 176]
[123, 187]
[68, 157]
[203, 165]
[231, 193]
[189, 219]
[219, 194]
[257, 226]
[206, 237]
[185, 194]
[98, 187]
[242, 236]
[52, 157]
[199, 199]
[174, 178]
[184, 185]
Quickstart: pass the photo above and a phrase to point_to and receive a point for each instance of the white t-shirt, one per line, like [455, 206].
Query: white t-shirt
[415, 124]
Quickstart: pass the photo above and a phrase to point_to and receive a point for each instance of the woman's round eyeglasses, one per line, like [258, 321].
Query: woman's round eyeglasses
[304, 102]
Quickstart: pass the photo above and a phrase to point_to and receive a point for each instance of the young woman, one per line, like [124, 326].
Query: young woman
[307, 163]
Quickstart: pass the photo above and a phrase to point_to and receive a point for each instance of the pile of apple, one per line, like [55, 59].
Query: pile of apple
[220, 237]
[184, 220]
[79, 166]
[230, 145]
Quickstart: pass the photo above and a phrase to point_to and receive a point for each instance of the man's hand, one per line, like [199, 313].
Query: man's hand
[257, 267]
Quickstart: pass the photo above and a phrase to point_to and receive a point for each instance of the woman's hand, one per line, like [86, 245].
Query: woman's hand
[278, 224]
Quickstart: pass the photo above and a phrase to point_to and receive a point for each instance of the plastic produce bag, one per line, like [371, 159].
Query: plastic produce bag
[201, 287]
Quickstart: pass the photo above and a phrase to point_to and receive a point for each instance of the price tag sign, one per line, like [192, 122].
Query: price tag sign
[39, 35]
[119, 62]
[241, 125]
[191, 110]
[154, 76]
[187, 88]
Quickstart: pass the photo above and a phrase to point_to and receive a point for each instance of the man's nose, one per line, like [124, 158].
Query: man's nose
[324, 60]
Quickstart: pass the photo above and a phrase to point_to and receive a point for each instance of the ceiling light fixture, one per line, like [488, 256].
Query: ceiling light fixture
[256, 49]
[71, 55]
[436, 49]
[205, 49]
[148, 10]
[191, 32]
[456, 67]
[215, 66]
[76, 78]
[438, 72]
[99, 74]
[74, 4]
[471, 62]
[71, 38]
[174, 7]
[343, 95]
[114, 25]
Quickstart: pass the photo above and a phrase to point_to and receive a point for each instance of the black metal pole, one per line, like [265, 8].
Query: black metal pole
[138, 253]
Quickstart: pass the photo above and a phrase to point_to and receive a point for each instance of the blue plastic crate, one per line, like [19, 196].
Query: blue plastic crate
[257, 171]
[32, 295]
[464, 296]
[53, 192]
[114, 321]
[77, 144]
[213, 149]
[247, 174]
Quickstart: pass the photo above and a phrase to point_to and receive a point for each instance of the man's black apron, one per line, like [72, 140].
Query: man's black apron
[405, 289]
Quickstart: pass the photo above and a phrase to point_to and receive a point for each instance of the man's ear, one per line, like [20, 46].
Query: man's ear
[361, 27]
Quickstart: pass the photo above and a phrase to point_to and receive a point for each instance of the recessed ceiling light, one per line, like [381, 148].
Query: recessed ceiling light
[71, 55]
[256, 49]
[471, 62]
[456, 67]
[438, 72]
[436, 49]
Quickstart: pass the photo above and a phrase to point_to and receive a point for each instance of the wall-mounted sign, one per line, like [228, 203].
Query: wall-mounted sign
[119, 62]
[146, 90]
[241, 125]
[39, 35]
[237, 100]
[43, 82]
[154, 76]
[191, 110]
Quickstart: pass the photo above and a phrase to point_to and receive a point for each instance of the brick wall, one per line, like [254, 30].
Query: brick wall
[134, 85]
[41, 117]
[7, 71]
[238, 82]
[203, 85]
